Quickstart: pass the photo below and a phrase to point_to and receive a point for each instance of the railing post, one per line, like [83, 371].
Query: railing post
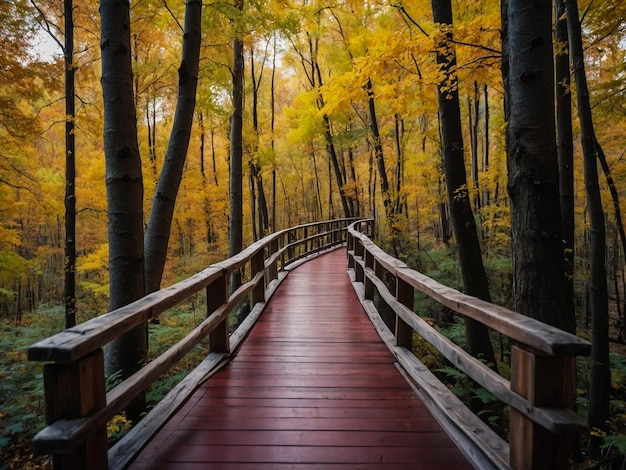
[290, 248]
[273, 269]
[544, 381]
[358, 269]
[73, 391]
[369, 285]
[306, 243]
[216, 295]
[257, 265]
[350, 250]
[404, 333]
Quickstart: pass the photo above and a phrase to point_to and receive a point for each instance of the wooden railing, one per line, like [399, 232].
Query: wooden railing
[540, 392]
[77, 406]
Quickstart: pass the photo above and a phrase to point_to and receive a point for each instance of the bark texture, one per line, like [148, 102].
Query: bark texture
[533, 183]
[123, 182]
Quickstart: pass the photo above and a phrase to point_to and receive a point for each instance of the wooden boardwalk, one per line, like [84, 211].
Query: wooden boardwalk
[312, 387]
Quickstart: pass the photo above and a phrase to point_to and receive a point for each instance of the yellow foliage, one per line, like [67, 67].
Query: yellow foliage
[119, 424]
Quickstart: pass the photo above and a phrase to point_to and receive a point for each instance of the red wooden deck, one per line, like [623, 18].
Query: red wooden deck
[312, 387]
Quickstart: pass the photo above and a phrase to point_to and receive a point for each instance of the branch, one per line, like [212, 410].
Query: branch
[479, 59]
[172, 15]
[478, 46]
[410, 18]
[45, 24]
[610, 95]
[91, 209]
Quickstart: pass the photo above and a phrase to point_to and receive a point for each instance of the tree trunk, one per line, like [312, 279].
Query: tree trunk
[255, 167]
[472, 270]
[399, 136]
[486, 198]
[124, 184]
[388, 205]
[600, 373]
[473, 105]
[273, 120]
[159, 224]
[533, 183]
[70, 169]
[357, 204]
[614, 195]
[378, 154]
[565, 154]
[252, 190]
[328, 135]
[235, 238]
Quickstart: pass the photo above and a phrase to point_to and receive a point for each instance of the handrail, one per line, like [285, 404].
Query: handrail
[77, 408]
[541, 389]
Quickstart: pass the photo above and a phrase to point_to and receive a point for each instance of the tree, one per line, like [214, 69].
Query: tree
[235, 238]
[159, 224]
[124, 186]
[70, 168]
[565, 153]
[533, 181]
[311, 67]
[600, 373]
[472, 270]
[257, 193]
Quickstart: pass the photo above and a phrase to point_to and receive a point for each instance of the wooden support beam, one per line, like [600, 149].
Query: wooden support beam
[73, 391]
[544, 381]
[273, 268]
[257, 265]
[217, 295]
[358, 268]
[369, 285]
[404, 333]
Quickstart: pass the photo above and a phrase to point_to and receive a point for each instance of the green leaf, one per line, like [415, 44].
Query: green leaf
[15, 428]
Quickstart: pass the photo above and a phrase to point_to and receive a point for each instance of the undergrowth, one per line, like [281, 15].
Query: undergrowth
[21, 381]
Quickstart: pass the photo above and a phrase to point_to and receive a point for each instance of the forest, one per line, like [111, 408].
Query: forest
[253, 116]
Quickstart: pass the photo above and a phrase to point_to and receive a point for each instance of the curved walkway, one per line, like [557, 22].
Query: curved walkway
[312, 387]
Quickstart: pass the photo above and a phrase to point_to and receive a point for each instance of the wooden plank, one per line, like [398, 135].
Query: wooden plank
[477, 441]
[553, 419]
[324, 438]
[128, 447]
[297, 401]
[82, 339]
[476, 435]
[315, 454]
[540, 379]
[518, 327]
[74, 391]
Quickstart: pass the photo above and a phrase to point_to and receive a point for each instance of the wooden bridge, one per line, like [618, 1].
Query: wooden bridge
[315, 376]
